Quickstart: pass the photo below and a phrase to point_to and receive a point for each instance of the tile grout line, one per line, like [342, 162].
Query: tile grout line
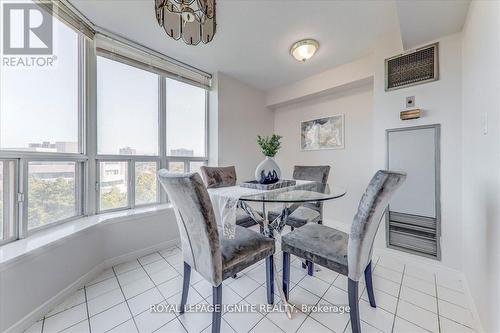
[165, 258]
[409, 302]
[190, 285]
[66, 309]
[125, 297]
[176, 317]
[319, 300]
[87, 307]
[398, 299]
[259, 285]
[165, 299]
[437, 304]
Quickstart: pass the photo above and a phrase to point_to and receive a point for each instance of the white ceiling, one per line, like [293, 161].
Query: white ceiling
[253, 37]
[423, 21]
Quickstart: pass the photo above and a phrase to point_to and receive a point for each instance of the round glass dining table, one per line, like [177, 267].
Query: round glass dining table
[290, 198]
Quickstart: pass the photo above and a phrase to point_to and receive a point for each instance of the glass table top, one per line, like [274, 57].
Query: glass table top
[309, 192]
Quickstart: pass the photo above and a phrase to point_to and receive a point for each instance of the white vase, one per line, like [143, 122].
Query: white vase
[268, 171]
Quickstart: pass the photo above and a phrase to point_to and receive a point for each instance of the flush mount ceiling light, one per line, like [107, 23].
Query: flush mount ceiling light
[193, 20]
[304, 49]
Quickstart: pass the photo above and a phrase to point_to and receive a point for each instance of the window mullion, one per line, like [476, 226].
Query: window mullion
[92, 170]
[162, 104]
[206, 124]
[79, 188]
[131, 183]
[23, 192]
[81, 96]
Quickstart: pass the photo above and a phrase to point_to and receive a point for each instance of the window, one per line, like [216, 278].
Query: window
[52, 194]
[63, 156]
[113, 186]
[127, 109]
[186, 119]
[42, 151]
[127, 125]
[146, 187]
[129, 135]
[39, 106]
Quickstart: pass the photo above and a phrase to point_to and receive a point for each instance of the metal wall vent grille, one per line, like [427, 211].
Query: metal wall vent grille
[412, 68]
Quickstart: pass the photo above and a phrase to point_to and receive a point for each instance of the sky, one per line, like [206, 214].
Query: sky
[40, 104]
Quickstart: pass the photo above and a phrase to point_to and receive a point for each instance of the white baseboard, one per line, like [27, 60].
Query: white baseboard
[40, 311]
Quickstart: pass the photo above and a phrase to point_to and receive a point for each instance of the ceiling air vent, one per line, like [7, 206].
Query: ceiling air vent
[416, 67]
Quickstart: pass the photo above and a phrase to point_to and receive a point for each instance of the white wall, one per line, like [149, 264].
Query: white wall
[481, 162]
[242, 115]
[32, 284]
[350, 167]
[323, 83]
[441, 104]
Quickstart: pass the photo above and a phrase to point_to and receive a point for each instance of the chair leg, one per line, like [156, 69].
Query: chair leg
[217, 313]
[352, 287]
[185, 286]
[369, 285]
[286, 274]
[310, 268]
[270, 279]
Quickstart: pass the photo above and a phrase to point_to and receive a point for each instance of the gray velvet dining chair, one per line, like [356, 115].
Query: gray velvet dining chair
[214, 258]
[311, 211]
[214, 177]
[348, 254]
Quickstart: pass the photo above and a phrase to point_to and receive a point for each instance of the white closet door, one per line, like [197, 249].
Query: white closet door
[414, 152]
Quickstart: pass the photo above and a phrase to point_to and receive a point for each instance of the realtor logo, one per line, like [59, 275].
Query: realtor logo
[27, 30]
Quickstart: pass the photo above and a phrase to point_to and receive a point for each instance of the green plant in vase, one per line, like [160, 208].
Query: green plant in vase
[267, 171]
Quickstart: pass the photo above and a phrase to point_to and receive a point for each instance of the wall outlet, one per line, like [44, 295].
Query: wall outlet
[410, 101]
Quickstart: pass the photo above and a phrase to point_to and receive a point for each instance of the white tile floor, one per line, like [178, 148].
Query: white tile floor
[410, 298]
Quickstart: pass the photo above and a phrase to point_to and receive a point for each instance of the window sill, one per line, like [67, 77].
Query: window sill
[51, 236]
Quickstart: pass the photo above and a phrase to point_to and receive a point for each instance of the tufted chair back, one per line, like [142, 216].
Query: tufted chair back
[314, 173]
[367, 219]
[218, 176]
[196, 222]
